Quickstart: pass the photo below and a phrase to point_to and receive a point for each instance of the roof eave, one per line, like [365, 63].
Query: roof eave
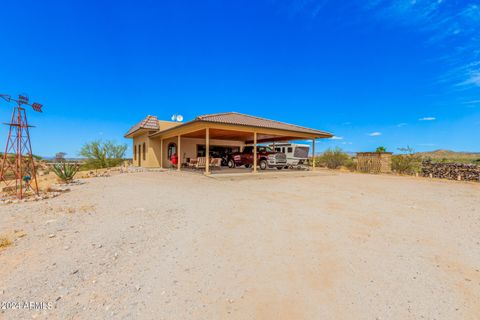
[139, 130]
[172, 128]
[318, 134]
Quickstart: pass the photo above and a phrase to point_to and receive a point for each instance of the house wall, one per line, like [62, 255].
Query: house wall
[149, 160]
[188, 149]
[164, 125]
[152, 154]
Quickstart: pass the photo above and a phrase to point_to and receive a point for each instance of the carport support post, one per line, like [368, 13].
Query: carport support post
[161, 153]
[179, 155]
[313, 154]
[255, 152]
[207, 151]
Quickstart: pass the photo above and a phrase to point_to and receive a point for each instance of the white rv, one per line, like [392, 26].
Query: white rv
[297, 154]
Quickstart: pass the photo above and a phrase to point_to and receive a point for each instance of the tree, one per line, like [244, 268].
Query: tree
[103, 154]
[333, 158]
[60, 157]
[381, 149]
[407, 163]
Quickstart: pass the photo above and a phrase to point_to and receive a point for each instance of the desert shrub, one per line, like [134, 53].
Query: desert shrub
[381, 149]
[65, 171]
[103, 154]
[350, 164]
[406, 163]
[333, 158]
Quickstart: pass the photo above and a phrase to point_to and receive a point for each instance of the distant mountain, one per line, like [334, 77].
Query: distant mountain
[451, 156]
[350, 153]
[449, 153]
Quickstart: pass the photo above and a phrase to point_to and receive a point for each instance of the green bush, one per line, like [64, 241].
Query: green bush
[333, 158]
[100, 154]
[406, 163]
[381, 149]
[65, 171]
[350, 164]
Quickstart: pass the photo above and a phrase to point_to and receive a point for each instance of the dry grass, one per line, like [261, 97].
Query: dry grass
[72, 210]
[45, 182]
[19, 234]
[87, 208]
[8, 238]
[5, 242]
[47, 187]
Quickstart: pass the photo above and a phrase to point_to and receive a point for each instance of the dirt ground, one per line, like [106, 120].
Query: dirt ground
[168, 245]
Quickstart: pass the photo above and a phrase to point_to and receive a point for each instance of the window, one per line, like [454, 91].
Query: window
[301, 152]
[264, 149]
[135, 152]
[289, 149]
[215, 151]
[248, 149]
[139, 152]
[144, 151]
[171, 149]
[283, 150]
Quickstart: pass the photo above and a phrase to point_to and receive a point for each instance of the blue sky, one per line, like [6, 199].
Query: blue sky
[379, 72]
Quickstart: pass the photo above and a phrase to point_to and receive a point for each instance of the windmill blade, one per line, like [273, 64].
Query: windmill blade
[5, 97]
[37, 107]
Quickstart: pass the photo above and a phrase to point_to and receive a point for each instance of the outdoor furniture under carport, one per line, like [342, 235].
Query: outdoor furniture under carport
[201, 163]
[216, 163]
[191, 163]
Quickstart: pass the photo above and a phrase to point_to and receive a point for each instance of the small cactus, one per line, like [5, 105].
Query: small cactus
[65, 171]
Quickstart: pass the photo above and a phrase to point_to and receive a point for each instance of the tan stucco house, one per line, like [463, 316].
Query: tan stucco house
[155, 140]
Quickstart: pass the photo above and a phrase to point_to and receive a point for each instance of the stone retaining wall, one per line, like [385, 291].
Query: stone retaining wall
[453, 171]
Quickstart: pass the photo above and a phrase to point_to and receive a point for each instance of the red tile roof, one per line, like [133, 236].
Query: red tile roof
[149, 123]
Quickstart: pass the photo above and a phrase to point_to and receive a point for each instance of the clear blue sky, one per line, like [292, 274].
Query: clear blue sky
[377, 72]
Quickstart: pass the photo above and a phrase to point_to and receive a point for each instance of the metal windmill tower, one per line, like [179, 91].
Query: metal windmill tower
[17, 171]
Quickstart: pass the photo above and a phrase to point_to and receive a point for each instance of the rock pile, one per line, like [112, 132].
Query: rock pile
[30, 198]
[452, 171]
[96, 174]
[64, 187]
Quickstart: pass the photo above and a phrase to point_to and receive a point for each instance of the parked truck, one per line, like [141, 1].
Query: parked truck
[266, 158]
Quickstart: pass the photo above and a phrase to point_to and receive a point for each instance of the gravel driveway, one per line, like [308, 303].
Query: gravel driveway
[168, 245]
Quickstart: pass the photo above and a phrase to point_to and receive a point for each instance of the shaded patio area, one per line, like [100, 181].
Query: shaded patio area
[242, 170]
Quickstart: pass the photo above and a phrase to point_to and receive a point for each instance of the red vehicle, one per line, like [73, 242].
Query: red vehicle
[266, 158]
[174, 159]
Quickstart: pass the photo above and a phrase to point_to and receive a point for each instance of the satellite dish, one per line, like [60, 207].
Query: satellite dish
[179, 118]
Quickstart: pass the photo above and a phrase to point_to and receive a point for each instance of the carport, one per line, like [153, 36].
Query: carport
[232, 128]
